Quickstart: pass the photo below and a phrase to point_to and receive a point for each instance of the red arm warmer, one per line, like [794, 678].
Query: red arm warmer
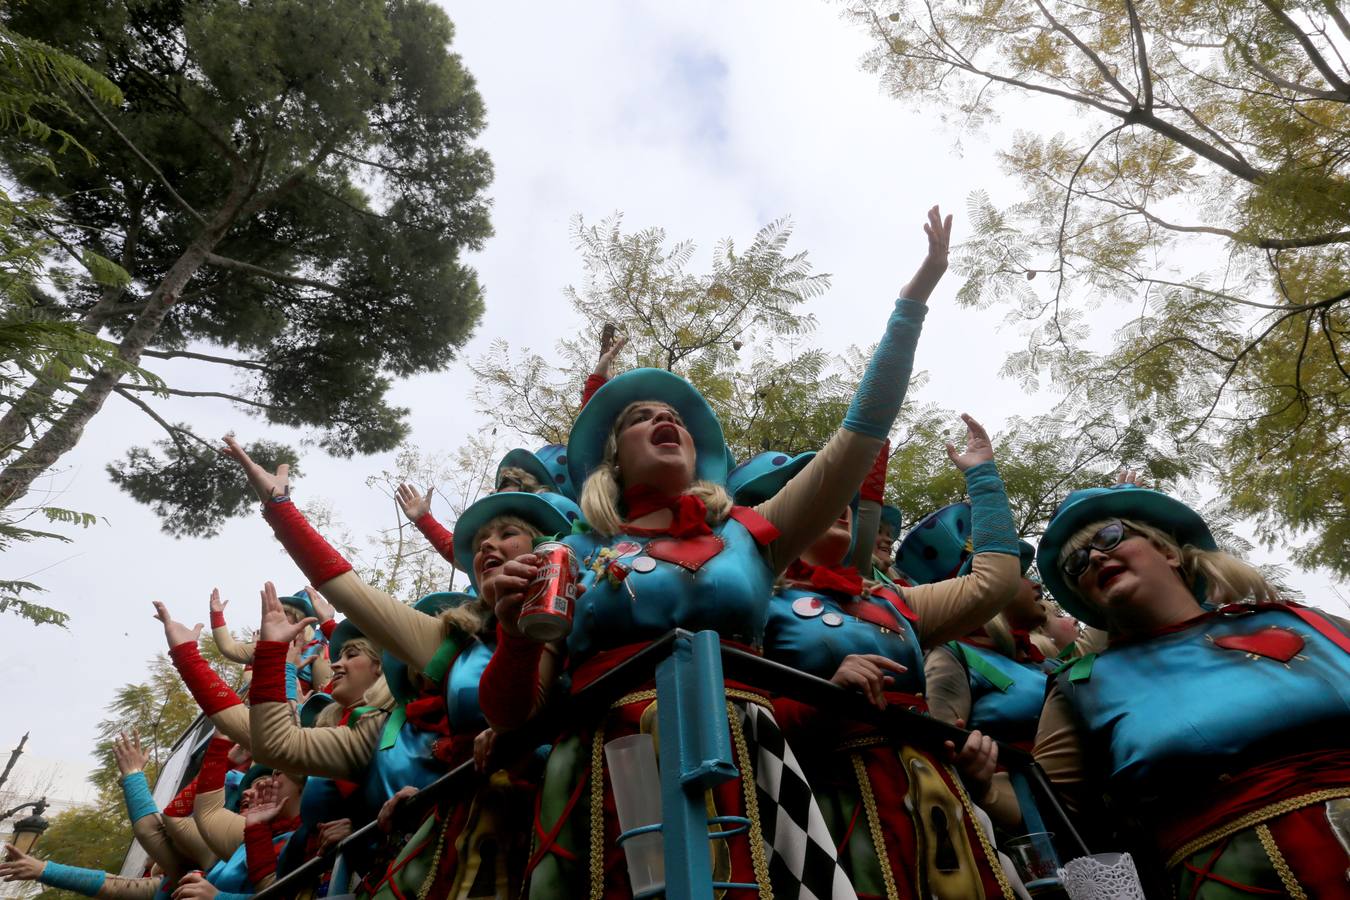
[217, 618]
[315, 557]
[208, 689]
[439, 536]
[260, 851]
[215, 763]
[328, 628]
[874, 485]
[180, 807]
[509, 685]
[594, 383]
[269, 672]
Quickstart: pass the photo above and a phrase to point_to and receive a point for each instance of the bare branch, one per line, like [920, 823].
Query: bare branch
[225, 262]
[175, 433]
[176, 392]
[1145, 78]
[1091, 54]
[1309, 48]
[223, 360]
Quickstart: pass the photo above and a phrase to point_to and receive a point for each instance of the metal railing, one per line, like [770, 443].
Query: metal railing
[689, 672]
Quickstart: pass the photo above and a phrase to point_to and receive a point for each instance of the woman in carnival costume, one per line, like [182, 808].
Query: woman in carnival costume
[668, 549]
[1215, 720]
[899, 814]
[438, 728]
[313, 669]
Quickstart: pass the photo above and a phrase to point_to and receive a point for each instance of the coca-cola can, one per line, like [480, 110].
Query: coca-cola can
[551, 597]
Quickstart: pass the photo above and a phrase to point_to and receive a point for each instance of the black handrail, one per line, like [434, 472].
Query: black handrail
[590, 702]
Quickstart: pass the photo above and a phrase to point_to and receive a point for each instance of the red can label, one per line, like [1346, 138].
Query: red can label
[550, 599]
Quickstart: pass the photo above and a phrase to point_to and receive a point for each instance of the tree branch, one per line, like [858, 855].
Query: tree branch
[225, 262]
[1091, 54]
[201, 220]
[1309, 48]
[1145, 78]
[223, 360]
[175, 433]
[176, 392]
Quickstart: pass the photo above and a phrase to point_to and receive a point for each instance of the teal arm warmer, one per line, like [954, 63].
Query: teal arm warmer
[991, 522]
[877, 401]
[136, 792]
[72, 878]
[292, 688]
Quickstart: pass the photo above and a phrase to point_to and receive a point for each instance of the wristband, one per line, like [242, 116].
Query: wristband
[292, 677]
[874, 485]
[259, 851]
[72, 878]
[991, 522]
[208, 689]
[270, 676]
[327, 628]
[136, 792]
[217, 618]
[438, 535]
[307, 548]
[215, 763]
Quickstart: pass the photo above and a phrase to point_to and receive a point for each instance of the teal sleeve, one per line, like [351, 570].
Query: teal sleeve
[136, 793]
[292, 688]
[991, 522]
[72, 878]
[877, 400]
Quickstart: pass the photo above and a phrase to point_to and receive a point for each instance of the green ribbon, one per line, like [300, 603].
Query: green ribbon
[435, 669]
[392, 725]
[1081, 669]
[978, 663]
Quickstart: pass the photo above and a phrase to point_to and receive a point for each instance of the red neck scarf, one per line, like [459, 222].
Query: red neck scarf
[690, 515]
[1025, 646]
[836, 579]
[282, 826]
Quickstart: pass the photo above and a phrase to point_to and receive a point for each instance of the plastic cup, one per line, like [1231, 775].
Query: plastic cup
[637, 795]
[1034, 857]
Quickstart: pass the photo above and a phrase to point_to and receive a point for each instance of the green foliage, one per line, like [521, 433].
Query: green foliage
[1198, 208]
[703, 326]
[285, 192]
[192, 487]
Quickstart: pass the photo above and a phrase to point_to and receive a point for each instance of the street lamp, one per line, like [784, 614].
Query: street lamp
[28, 829]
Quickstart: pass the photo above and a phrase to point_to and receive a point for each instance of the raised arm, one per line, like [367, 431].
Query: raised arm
[955, 607]
[19, 866]
[216, 698]
[417, 507]
[222, 830]
[231, 649]
[398, 628]
[816, 495]
[146, 823]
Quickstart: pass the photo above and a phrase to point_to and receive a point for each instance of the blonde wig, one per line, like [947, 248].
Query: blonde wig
[1227, 579]
[528, 483]
[601, 495]
[470, 618]
[377, 695]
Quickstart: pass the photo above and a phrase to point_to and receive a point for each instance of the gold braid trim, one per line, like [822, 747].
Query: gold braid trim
[875, 740]
[990, 853]
[597, 854]
[756, 835]
[1255, 817]
[634, 697]
[1277, 860]
[425, 890]
[874, 826]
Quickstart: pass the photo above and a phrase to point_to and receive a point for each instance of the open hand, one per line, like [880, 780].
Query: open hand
[176, 633]
[607, 354]
[131, 757]
[413, 504]
[218, 605]
[265, 484]
[322, 608]
[979, 449]
[19, 866]
[266, 802]
[275, 626]
[866, 672]
[934, 265]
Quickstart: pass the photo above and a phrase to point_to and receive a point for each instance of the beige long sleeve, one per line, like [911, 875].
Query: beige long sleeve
[947, 686]
[240, 652]
[187, 840]
[412, 636]
[337, 752]
[150, 834]
[1059, 749]
[817, 494]
[222, 830]
[115, 887]
[232, 721]
[953, 608]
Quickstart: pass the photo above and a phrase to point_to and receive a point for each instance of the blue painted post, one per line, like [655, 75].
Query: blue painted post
[695, 755]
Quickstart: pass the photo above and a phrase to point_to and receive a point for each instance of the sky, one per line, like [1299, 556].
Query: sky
[708, 119]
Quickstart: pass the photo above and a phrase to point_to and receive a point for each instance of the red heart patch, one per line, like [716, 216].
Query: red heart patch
[690, 553]
[1272, 643]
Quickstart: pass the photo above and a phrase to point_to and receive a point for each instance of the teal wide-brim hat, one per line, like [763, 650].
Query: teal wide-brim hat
[344, 632]
[524, 459]
[937, 546]
[553, 457]
[1123, 501]
[299, 600]
[316, 703]
[254, 772]
[395, 670]
[763, 475]
[552, 514]
[890, 515]
[586, 445]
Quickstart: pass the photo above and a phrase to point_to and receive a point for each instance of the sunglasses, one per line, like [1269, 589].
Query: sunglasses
[1105, 540]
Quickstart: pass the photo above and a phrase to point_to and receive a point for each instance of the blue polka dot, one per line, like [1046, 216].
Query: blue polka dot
[562, 460]
[779, 460]
[560, 478]
[960, 526]
[571, 517]
[930, 553]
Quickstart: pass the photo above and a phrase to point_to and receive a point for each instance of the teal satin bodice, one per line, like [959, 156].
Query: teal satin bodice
[1005, 703]
[461, 688]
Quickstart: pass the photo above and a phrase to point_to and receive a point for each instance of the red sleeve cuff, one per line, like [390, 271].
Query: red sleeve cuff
[594, 383]
[307, 548]
[269, 672]
[509, 684]
[874, 485]
[217, 618]
[327, 628]
[215, 763]
[260, 851]
[439, 536]
[208, 689]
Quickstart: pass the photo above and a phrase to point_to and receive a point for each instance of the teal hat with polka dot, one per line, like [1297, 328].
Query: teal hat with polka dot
[764, 474]
[552, 514]
[937, 546]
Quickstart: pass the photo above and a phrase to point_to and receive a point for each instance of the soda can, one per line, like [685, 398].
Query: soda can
[551, 597]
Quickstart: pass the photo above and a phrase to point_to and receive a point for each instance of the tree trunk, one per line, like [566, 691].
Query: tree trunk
[65, 432]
